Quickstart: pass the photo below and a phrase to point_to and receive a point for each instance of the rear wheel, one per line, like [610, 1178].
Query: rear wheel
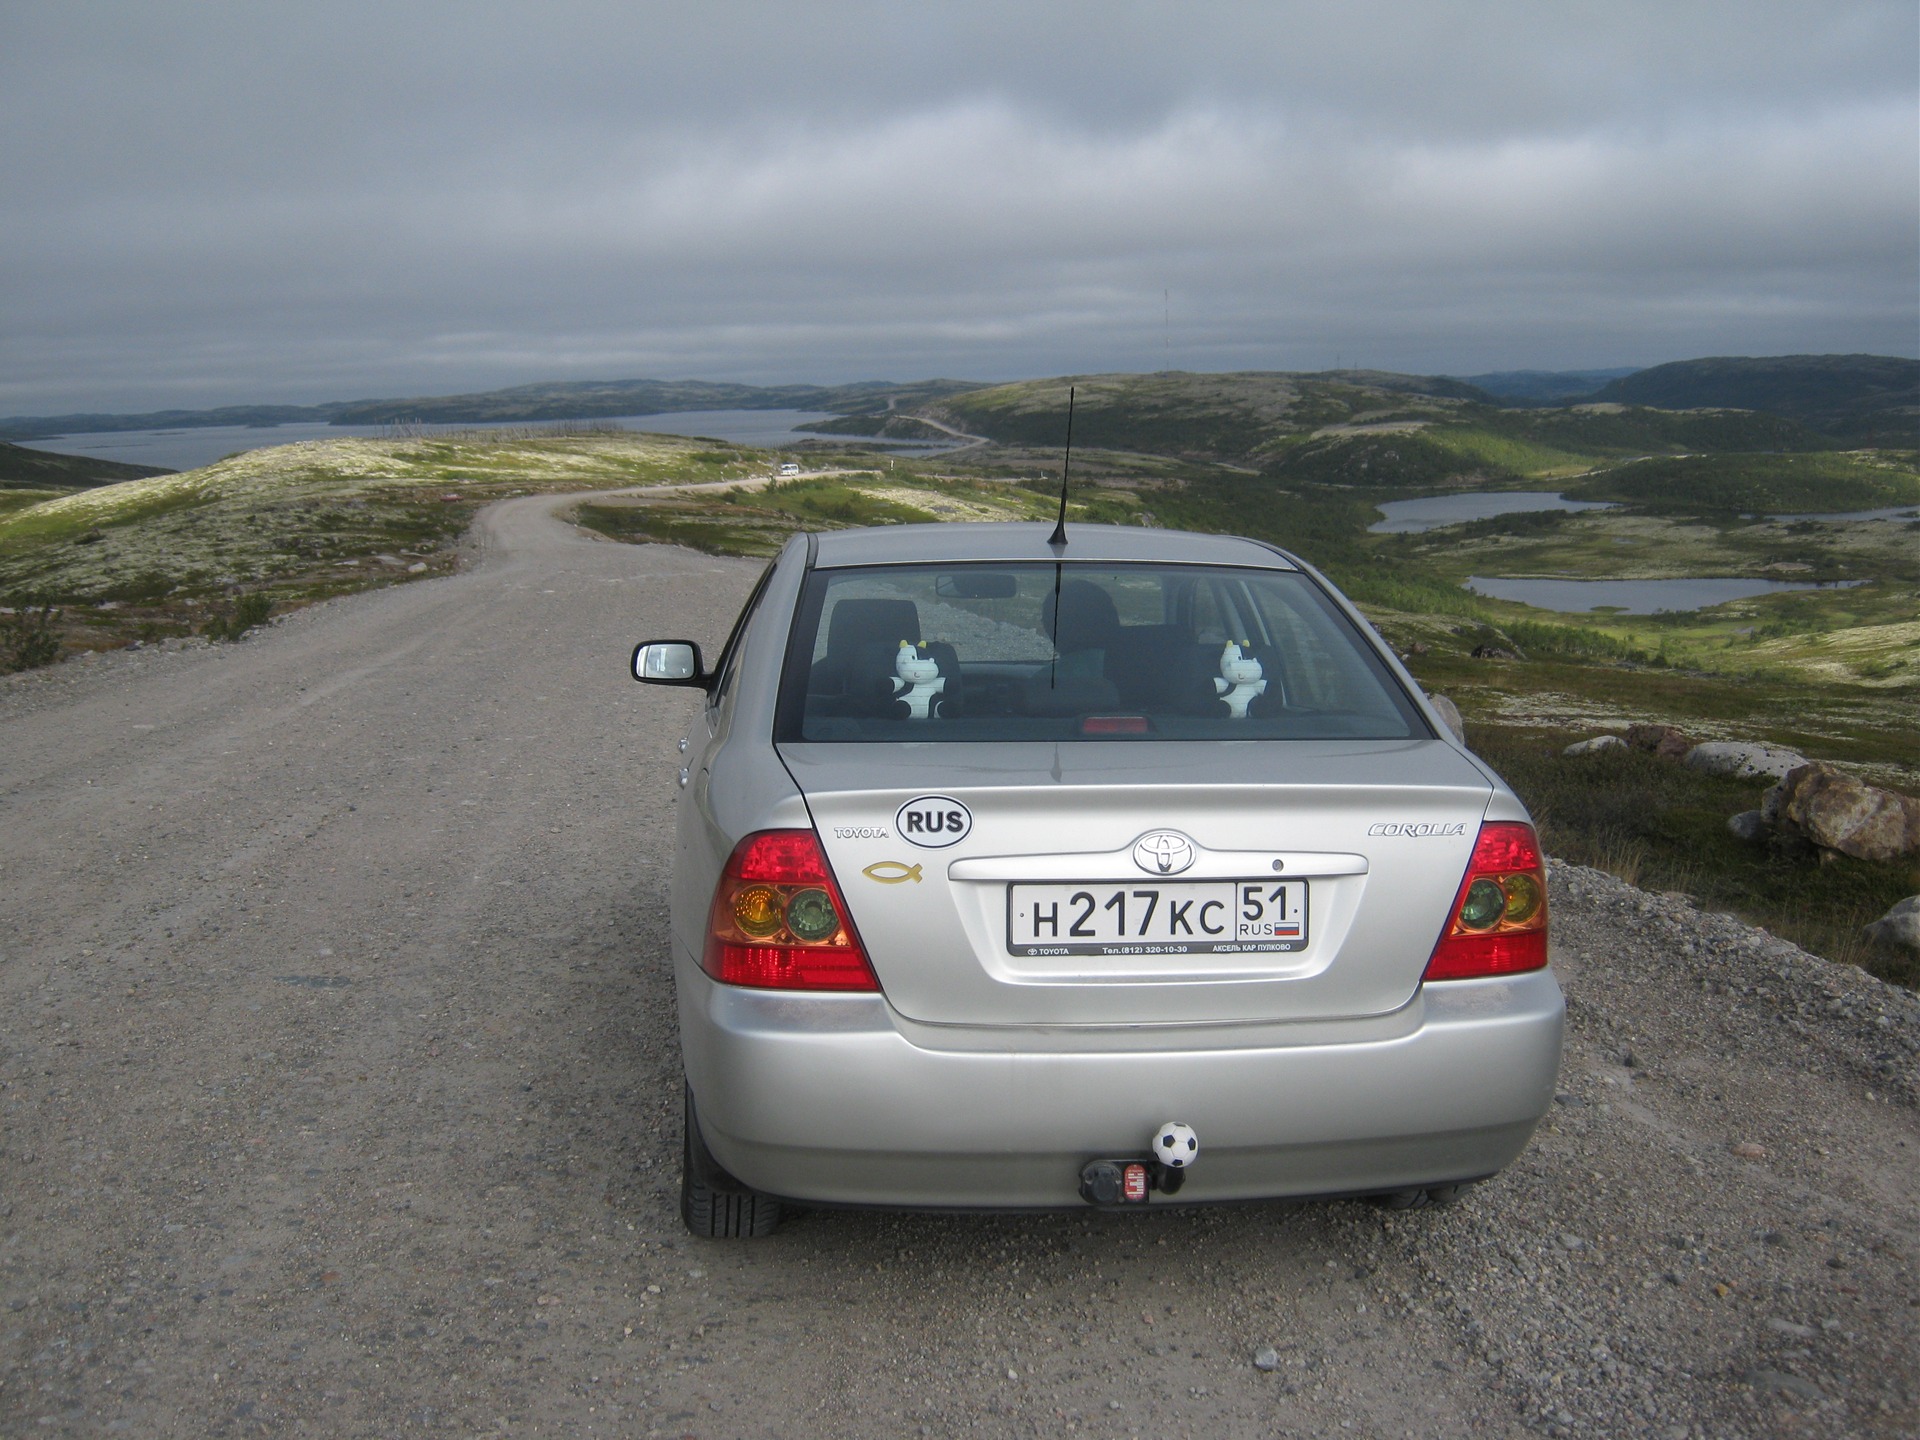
[712, 1203]
[1432, 1197]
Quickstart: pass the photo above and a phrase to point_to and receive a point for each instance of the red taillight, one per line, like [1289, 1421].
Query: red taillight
[778, 921]
[1498, 925]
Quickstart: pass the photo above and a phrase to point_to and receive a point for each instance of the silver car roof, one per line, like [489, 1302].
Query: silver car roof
[952, 543]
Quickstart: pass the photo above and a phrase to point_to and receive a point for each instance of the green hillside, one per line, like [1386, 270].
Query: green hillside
[1355, 428]
[1757, 484]
[42, 427]
[22, 468]
[598, 399]
[1862, 399]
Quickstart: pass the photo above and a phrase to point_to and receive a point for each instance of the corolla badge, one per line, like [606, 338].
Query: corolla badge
[1164, 852]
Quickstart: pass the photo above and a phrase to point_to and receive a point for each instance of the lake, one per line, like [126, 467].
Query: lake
[1430, 512]
[1636, 597]
[189, 449]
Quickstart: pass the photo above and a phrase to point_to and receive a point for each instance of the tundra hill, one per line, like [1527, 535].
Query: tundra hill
[1544, 387]
[1860, 399]
[22, 468]
[1354, 428]
[316, 518]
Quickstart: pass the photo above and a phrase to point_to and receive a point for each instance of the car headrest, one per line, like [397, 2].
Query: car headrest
[868, 622]
[1088, 619]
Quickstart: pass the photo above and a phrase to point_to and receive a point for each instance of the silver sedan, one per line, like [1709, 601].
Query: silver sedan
[1127, 871]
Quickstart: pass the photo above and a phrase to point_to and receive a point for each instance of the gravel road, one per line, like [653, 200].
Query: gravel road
[339, 1096]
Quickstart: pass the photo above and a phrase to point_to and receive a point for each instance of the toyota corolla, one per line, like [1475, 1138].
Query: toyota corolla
[1125, 871]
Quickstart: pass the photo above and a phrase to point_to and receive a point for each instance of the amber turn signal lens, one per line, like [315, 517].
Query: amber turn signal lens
[756, 910]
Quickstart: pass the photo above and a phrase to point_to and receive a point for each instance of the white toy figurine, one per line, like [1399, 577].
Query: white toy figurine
[920, 680]
[1239, 680]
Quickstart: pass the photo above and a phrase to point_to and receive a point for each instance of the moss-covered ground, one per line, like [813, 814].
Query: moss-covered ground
[149, 558]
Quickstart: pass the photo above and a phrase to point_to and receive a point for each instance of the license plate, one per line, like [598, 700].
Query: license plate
[1185, 917]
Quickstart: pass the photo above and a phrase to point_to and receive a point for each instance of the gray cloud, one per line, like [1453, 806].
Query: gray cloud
[212, 203]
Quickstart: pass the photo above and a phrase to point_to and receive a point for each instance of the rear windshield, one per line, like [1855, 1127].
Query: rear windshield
[1081, 652]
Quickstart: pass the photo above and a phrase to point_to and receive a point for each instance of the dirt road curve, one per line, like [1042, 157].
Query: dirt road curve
[339, 1096]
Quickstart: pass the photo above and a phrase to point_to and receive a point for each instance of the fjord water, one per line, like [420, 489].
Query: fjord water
[1636, 597]
[188, 449]
[1430, 512]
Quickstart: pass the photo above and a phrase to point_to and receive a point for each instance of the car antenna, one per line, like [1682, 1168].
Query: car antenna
[1059, 536]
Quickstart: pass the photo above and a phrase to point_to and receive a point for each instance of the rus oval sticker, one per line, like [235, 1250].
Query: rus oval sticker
[933, 821]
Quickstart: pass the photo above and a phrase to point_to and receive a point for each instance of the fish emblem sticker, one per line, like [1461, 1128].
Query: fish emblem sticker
[892, 872]
[1164, 852]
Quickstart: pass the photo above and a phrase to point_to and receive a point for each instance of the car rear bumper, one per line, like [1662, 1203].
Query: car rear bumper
[833, 1099]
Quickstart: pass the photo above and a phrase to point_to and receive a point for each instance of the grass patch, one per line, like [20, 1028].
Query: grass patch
[696, 529]
[1761, 484]
[756, 521]
[12, 500]
[1661, 826]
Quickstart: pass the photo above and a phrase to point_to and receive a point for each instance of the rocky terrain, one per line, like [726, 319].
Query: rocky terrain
[339, 1096]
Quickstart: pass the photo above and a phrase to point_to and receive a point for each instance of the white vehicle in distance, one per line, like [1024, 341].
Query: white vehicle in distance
[1127, 871]
[789, 470]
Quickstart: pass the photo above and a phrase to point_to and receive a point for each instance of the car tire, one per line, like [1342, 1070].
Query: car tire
[1435, 1197]
[714, 1205]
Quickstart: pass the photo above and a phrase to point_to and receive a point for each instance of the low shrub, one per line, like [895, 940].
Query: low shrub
[247, 612]
[28, 638]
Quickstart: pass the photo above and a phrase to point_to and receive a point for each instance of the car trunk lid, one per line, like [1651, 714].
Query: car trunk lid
[1093, 883]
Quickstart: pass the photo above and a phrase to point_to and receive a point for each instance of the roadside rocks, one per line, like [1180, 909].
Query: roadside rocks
[1899, 928]
[1595, 746]
[1450, 713]
[1742, 759]
[1664, 741]
[1837, 812]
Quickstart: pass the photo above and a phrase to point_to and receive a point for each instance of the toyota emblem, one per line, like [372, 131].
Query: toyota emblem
[1164, 852]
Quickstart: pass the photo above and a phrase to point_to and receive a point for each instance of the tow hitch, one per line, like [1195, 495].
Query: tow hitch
[1132, 1181]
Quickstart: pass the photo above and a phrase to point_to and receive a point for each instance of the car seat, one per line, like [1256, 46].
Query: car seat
[855, 675]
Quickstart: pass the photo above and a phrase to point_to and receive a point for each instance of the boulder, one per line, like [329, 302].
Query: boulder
[1595, 746]
[1749, 825]
[1663, 740]
[1450, 713]
[1742, 759]
[1493, 652]
[1899, 928]
[1838, 812]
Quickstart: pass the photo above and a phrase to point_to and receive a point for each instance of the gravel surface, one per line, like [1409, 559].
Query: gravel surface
[339, 1096]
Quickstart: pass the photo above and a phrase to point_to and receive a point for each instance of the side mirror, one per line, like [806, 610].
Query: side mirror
[670, 662]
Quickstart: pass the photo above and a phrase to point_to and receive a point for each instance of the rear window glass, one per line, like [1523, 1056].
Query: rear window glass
[1057, 652]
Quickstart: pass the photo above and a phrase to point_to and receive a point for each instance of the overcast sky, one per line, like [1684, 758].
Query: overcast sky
[208, 203]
